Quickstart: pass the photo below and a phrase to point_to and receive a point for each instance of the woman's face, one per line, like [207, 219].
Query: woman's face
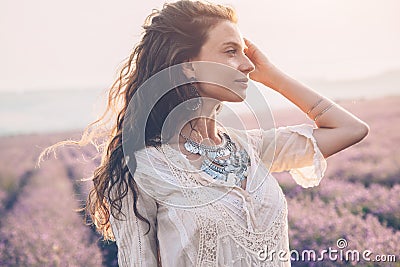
[224, 45]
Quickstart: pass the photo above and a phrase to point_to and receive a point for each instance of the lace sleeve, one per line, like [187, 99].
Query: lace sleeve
[134, 247]
[289, 148]
[296, 151]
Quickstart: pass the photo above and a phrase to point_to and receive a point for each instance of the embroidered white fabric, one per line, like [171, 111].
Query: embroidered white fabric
[196, 221]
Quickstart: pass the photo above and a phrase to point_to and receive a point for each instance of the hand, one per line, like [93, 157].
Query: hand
[263, 67]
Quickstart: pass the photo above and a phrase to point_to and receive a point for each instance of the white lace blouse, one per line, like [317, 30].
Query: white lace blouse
[198, 221]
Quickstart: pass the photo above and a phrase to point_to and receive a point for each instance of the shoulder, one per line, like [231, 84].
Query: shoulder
[149, 159]
[249, 139]
[148, 153]
[252, 136]
[158, 160]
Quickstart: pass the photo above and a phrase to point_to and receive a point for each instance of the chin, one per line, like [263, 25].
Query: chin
[237, 98]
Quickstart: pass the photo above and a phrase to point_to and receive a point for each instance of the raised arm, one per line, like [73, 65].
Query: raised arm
[337, 128]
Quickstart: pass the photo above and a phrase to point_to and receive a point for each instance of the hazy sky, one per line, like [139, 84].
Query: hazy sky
[47, 44]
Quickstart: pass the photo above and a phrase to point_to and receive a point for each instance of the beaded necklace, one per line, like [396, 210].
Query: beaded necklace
[223, 162]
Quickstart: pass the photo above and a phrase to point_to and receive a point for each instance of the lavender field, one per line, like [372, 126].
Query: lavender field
[358, 200]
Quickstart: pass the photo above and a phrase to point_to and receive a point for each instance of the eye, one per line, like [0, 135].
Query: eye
[231, 51]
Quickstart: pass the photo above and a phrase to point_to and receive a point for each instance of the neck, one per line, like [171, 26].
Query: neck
[204, 127]
[202, 130]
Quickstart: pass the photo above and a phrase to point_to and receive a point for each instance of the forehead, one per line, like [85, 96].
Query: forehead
[224, 32]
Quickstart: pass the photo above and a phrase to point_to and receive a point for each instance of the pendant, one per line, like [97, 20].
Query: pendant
[225, 163]
[212, 154]
[191, 148]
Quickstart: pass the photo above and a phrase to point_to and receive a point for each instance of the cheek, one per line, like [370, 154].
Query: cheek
[213, 91]
[218, 73]
[221, 93]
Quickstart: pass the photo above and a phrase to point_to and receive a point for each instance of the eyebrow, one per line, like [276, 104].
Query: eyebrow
[234, 44]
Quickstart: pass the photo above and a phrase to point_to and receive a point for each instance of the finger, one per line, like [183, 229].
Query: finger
[250, 47]
[248, 42]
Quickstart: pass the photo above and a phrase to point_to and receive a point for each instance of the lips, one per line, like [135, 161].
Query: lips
[242, 83]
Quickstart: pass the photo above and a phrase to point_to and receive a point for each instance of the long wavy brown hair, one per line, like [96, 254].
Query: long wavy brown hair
[171, 36]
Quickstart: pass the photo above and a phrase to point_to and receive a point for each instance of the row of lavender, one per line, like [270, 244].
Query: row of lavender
[39, 224]
[366, 218]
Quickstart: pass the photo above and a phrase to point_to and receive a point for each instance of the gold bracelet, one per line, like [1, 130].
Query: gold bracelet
[322, 112]
[316, 105]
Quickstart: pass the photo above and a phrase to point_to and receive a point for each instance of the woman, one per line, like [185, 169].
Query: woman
[220, 206]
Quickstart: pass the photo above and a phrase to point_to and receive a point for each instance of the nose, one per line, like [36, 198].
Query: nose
[246, 65]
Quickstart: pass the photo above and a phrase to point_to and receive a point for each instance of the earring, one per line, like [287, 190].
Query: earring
[194, 96]
[219, 108]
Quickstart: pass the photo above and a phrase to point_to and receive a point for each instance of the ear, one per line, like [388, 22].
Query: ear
[188, 69]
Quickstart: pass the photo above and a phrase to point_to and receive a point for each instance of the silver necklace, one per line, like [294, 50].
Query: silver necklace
[223, 162]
